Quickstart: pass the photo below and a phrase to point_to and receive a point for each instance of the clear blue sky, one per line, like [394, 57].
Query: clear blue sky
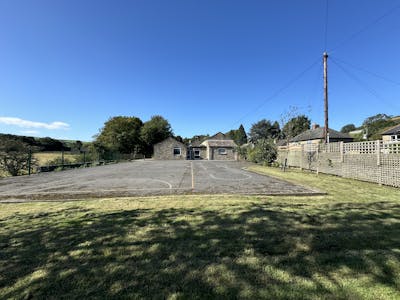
[206, 66]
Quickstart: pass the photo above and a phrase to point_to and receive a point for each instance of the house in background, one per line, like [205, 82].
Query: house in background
[392, 134]
[196, 150]
[315, 135]
[217, 147]
[220, 147]
[170, 149]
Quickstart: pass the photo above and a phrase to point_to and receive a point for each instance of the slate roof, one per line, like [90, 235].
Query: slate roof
[219, 140]
[393, 130]
[318, 133]
[221, 143]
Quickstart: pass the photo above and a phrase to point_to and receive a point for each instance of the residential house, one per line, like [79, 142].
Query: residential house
[220, 147]
[392, 134]
[315, 135]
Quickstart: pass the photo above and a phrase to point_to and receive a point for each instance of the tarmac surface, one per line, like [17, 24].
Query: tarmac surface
[146, 177]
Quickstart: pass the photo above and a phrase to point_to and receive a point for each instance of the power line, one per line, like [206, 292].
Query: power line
[368, 72]
[363, 84]
[279, 91]
[366, 27]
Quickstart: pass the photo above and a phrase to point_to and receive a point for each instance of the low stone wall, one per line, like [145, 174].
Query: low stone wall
[374, 165]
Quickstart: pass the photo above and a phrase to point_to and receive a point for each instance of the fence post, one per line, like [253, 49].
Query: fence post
[378, 153]
[29, 161]
[341, 151]
[301, 156]
[317, 158]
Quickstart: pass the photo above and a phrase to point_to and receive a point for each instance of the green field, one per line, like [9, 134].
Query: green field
[345, 245]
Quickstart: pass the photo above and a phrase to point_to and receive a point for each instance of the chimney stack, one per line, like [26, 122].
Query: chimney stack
[314, 126]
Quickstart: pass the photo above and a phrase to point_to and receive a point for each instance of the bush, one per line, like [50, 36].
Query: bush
[15, 156]
[263, 152]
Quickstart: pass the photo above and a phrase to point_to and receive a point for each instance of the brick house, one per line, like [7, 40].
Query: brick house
[170, 149]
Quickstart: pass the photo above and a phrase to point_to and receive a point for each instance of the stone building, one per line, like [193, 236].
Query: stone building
[170, 149]
[220, 147]
[217, 147]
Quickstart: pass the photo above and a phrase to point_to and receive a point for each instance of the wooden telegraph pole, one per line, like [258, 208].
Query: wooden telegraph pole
[326, 138]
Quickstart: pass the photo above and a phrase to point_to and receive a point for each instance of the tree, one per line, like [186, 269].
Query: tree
[347, 128]
[264, 151]
[264, 129]
[121, 134]
[241, 136]
[15, 156]
[375, 124]
[154, 131]
[295, 126]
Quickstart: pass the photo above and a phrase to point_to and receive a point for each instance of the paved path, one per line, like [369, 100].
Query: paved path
[145, 178]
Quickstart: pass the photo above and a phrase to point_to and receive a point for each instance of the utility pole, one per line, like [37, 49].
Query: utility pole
[326, 97]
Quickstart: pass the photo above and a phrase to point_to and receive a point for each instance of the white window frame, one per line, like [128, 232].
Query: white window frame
[222, 151]
[198, 153]
[180, 151]
[394, 137]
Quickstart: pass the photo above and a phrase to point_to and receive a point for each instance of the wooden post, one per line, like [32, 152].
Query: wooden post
[326, 96]
[378, 153]
[341, 152]
[301, 156]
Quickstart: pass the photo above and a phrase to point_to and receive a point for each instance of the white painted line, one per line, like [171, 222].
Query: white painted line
[231, 179]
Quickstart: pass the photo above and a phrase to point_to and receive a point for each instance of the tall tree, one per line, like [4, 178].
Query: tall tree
[241, 136]
[295, 126]
[120, 134]
[264, 129]
[155, 130]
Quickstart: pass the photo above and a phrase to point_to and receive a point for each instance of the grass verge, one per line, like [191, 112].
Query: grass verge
[344, 245]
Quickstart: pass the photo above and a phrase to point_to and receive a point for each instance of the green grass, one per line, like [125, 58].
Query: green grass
[345, 245]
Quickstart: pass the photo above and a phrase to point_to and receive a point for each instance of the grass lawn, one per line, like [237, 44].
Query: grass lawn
[44, 158]
[345, 245]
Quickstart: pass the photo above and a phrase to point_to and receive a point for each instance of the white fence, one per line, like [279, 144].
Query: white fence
[374, 161]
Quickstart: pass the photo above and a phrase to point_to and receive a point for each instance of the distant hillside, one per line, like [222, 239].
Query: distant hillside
[43, 144]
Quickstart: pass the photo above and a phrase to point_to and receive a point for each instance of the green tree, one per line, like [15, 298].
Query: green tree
[15, 156]
[154, 131]
[375, 124]
[295, 126]
[264, 151]
[120, 134]
[264, 129]
[347, 128]
[241, 136]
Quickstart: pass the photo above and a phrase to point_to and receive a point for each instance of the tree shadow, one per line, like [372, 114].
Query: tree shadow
[265, 251]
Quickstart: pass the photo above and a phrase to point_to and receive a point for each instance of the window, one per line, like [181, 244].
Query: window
[221, 151]
[177, 151]
[196, 153]
[394, 137]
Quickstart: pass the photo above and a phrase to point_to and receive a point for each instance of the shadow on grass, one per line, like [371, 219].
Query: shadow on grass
[266, 251]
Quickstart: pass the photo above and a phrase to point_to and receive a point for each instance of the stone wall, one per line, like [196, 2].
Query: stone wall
[375, 164]
[230, 154]
[165, 150]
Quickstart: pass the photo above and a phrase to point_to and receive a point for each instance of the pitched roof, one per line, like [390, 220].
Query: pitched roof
[220, 143]
[168, 139]
[219, 140]
[218, 136]
[318, 133]
[393, 130]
